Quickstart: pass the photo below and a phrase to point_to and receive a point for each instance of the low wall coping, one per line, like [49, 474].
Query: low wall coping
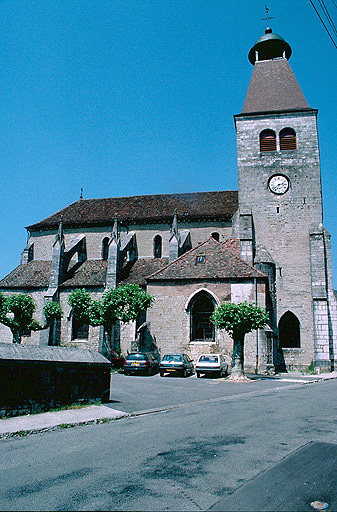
[17, 352]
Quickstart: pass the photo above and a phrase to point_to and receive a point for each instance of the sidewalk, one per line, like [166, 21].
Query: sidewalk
[296, 376]
[33, 423]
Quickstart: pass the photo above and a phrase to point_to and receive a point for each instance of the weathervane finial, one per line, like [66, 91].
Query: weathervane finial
[267, 18]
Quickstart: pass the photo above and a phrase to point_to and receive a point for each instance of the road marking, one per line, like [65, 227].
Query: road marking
[219, 399]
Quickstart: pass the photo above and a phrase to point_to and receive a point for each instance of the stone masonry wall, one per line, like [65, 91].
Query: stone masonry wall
[282, 222]
[169, 318]
[145, 234]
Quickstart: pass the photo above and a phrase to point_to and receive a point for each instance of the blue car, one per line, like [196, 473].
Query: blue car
[176, 363]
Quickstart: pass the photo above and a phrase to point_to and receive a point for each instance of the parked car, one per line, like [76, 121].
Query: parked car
[116, 360]
[176, 363]
[137, 362]
[211, 364]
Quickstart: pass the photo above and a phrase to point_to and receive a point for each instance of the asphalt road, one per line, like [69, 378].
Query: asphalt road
[185, 458]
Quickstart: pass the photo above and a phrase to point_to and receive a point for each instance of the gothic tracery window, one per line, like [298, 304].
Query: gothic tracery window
[79, 331]
[202, 307]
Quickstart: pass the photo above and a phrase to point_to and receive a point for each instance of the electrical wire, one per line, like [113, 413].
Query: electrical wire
[326, 28]
[326, 12]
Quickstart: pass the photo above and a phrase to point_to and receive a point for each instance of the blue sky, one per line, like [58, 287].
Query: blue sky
[127, 97]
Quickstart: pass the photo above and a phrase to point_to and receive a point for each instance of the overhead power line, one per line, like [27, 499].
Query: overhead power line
[326, 12]
[326, 28]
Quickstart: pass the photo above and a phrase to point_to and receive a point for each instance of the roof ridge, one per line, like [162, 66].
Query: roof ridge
[181, 256]
[150, 195]
[223, 249]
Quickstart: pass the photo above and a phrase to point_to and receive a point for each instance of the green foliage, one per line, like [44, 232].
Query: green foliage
[80, 302]
[21, 307]
[239, 319]
[3, 306]
[52, 311]
[95, 313]
[124, 303]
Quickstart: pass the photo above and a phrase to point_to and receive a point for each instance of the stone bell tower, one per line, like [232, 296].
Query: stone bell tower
[280, 207]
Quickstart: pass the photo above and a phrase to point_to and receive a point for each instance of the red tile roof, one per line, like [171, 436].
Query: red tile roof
[209, 260]
[232, 244]
[142, 209]
[273, 87]
[33, 275]
[137, 271]
[88, 273]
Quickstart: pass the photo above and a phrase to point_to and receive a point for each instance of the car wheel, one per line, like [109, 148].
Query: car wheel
[126, 372]
[184, 373]
[198, 375]
[162, 374]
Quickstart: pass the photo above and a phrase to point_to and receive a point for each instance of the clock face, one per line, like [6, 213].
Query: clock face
[279, 184]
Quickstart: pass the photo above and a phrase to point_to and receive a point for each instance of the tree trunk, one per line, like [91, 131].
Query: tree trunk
[237, 357]
[107, 342]
[16, 337]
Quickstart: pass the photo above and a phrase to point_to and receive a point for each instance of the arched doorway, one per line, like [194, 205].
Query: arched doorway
[202, 307]
[289, 331]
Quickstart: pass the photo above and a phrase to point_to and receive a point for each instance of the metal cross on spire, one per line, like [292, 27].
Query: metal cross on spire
[267, 18]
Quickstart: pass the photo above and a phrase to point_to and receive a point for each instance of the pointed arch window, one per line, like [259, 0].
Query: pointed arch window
[157, 246]
[105, 248]
[289, 331]
[79, 331]
[267, 141]
[287, 139]
[202, 307]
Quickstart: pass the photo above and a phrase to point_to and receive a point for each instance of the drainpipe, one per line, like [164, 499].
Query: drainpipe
[257, 332]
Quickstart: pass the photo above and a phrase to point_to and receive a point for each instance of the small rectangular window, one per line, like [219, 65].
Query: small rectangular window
[200, 259]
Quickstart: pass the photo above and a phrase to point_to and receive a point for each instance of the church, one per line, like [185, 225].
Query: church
[264, 243]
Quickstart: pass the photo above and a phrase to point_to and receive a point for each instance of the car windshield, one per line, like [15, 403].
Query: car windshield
[208, 359]
[173, 357]
[136, 356]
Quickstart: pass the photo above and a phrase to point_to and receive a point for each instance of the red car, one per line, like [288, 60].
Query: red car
[116, 360]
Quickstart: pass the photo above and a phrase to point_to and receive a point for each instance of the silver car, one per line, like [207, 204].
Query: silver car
[211, 364]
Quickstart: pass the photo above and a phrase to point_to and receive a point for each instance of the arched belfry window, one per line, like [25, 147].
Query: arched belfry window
[289, 331]
[267, 140]
[202, 307]
[157, 246]
[287, 139]
[105, 248]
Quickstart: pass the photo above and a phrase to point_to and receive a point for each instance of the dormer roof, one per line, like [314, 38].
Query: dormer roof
[209, 260]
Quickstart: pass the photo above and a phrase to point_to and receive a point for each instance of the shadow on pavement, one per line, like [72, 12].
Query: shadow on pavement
[306, 476]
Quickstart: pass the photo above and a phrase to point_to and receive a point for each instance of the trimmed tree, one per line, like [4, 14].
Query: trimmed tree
[238, 320]
[52, 311]
[123, 303]
[16, 312]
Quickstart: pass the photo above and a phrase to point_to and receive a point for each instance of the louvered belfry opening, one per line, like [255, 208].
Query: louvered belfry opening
[287, 139]
[267, 141]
